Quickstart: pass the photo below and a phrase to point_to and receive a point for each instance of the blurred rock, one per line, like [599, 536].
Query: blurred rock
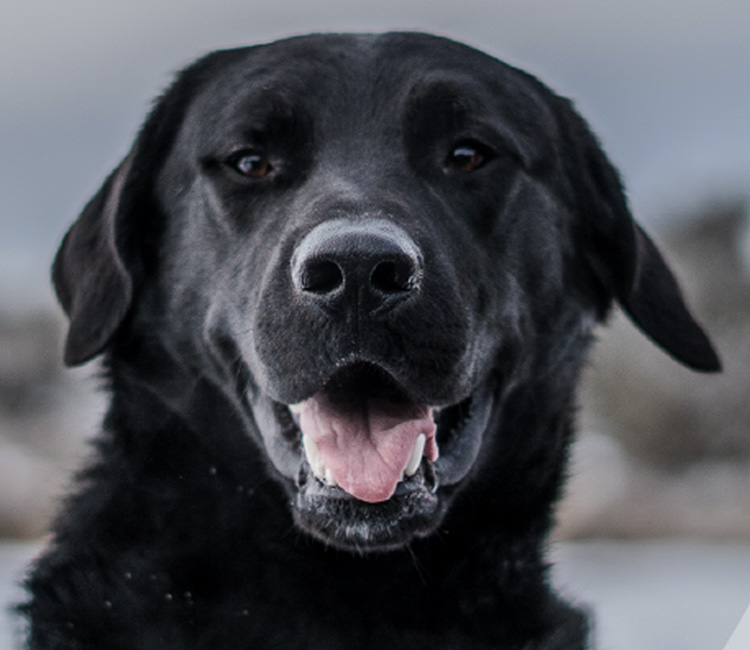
[46, 413]
[28, 367]
[681, 439]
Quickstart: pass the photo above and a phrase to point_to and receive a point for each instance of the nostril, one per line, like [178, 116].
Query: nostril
[392, 277]
[321, 276]
[369, 266]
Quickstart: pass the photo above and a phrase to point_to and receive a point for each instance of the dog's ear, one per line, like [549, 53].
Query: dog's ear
[106, 253]
[623, 258]
[90, 273]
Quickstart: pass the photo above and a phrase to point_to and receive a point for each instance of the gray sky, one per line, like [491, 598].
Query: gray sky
[666, 84]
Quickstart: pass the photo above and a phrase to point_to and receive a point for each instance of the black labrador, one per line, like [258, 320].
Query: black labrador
[343, 287]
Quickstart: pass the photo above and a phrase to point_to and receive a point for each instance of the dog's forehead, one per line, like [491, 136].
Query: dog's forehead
[327, 60]
[356, 74]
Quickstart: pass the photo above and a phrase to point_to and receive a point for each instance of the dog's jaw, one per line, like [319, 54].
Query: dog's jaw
[386, 513]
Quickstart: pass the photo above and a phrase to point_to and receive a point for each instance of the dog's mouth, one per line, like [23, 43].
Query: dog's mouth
[372, 459]
[363, 434]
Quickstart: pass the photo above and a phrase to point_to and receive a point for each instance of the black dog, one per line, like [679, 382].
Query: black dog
[344, 287]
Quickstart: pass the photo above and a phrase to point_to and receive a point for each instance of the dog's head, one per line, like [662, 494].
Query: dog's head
[386, 252]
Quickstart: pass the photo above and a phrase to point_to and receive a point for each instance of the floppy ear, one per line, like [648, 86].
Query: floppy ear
[90, 273]
[109, 249]
[653, 300]
[625, 260]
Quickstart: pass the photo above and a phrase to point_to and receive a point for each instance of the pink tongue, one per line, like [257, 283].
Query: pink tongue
[367, 446]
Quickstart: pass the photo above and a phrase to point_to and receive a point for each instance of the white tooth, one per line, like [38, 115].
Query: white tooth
[313, 456]
[295, 408]
[330, 480]
[416, 456]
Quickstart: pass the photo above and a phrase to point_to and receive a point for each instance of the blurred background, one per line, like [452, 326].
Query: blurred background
[664, 454]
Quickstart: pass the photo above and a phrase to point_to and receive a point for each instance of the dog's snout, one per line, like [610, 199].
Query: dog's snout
[366, 265]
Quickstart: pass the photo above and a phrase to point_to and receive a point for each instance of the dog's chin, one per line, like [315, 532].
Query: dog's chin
[347, 519]
[336, 518]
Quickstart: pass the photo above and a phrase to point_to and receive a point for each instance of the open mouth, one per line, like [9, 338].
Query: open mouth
[372, 458]
[363, 434]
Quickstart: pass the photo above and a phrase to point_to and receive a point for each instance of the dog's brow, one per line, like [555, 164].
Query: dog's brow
[449, 93]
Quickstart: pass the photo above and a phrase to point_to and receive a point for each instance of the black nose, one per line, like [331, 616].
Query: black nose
[369, 265]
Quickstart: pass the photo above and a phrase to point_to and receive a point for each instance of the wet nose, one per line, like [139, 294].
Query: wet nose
[368, 265]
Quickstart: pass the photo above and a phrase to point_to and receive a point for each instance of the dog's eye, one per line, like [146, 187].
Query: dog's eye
[252, 164]
[467, 157]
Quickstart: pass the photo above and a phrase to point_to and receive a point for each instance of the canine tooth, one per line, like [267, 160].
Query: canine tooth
[295, 408]
[330, 480]
[313, 456]
[416, 456]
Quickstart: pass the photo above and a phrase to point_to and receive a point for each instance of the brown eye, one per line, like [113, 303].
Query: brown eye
[466, 158]
[251, 164]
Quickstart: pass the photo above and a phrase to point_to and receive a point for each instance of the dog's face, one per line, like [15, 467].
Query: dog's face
[375, 247]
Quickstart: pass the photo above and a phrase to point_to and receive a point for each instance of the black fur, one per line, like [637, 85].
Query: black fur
[198, 524]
